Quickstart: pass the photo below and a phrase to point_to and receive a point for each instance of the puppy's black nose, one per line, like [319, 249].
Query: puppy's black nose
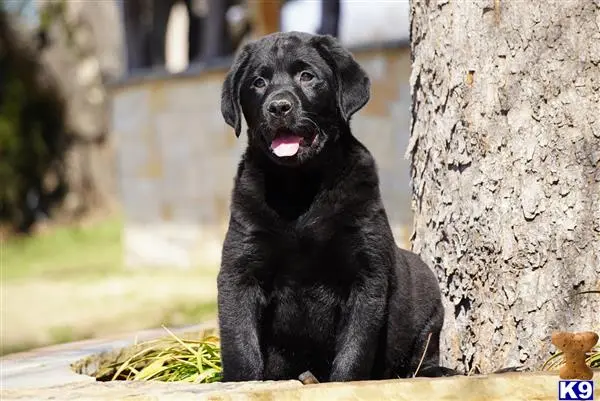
[279, 107]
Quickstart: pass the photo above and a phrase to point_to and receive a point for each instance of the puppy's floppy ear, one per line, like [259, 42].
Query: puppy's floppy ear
[230, 93]
[352, 83]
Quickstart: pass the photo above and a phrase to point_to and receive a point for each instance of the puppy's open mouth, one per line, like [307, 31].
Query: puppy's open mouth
[287, 143]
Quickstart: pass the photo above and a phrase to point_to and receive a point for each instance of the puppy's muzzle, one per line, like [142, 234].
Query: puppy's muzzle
[280, 108]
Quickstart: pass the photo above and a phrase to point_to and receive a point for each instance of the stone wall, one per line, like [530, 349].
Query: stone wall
[177, 158]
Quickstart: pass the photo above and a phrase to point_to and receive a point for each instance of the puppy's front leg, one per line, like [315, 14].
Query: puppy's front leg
[240, 302]
[361, 323]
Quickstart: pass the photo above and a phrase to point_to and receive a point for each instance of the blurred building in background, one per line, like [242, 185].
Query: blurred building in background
[361, 23]
[155, 144]
[177, 158]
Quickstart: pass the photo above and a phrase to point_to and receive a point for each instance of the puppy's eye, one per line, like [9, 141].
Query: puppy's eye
[259, 82]
[306, 76]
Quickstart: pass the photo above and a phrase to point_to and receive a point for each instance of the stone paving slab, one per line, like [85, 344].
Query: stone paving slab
[143, 391]
[509, 386]
[46, 374]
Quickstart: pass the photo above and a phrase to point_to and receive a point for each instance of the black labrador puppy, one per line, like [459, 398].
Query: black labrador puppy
[311, 278]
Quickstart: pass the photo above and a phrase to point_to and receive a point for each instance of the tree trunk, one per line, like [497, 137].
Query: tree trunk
[505, 153]
[84, 56]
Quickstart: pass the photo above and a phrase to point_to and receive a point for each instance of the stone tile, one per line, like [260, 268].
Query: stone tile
[146, 391]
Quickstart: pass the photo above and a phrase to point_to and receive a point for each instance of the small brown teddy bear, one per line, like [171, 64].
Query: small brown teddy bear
[574, 347]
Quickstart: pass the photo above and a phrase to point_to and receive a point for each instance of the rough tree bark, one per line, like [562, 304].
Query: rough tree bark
[505, 153]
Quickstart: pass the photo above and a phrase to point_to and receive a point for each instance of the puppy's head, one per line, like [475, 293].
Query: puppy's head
[297, 93]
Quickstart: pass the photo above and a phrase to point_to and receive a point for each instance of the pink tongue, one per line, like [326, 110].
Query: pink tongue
[286, 145]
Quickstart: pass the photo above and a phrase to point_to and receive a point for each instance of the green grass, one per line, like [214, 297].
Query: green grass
[64, 252]
[181, 313]
[70, 283]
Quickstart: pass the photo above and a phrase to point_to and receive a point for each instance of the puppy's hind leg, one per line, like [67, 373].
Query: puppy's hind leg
[437, 371]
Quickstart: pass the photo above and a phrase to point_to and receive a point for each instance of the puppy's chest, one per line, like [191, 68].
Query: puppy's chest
[311, 244]
[300, 312]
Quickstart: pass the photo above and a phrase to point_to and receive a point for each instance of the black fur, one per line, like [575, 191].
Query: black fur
[311, 278]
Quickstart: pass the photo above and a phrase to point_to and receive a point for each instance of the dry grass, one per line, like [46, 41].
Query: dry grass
[171, 359]
[556, 361]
